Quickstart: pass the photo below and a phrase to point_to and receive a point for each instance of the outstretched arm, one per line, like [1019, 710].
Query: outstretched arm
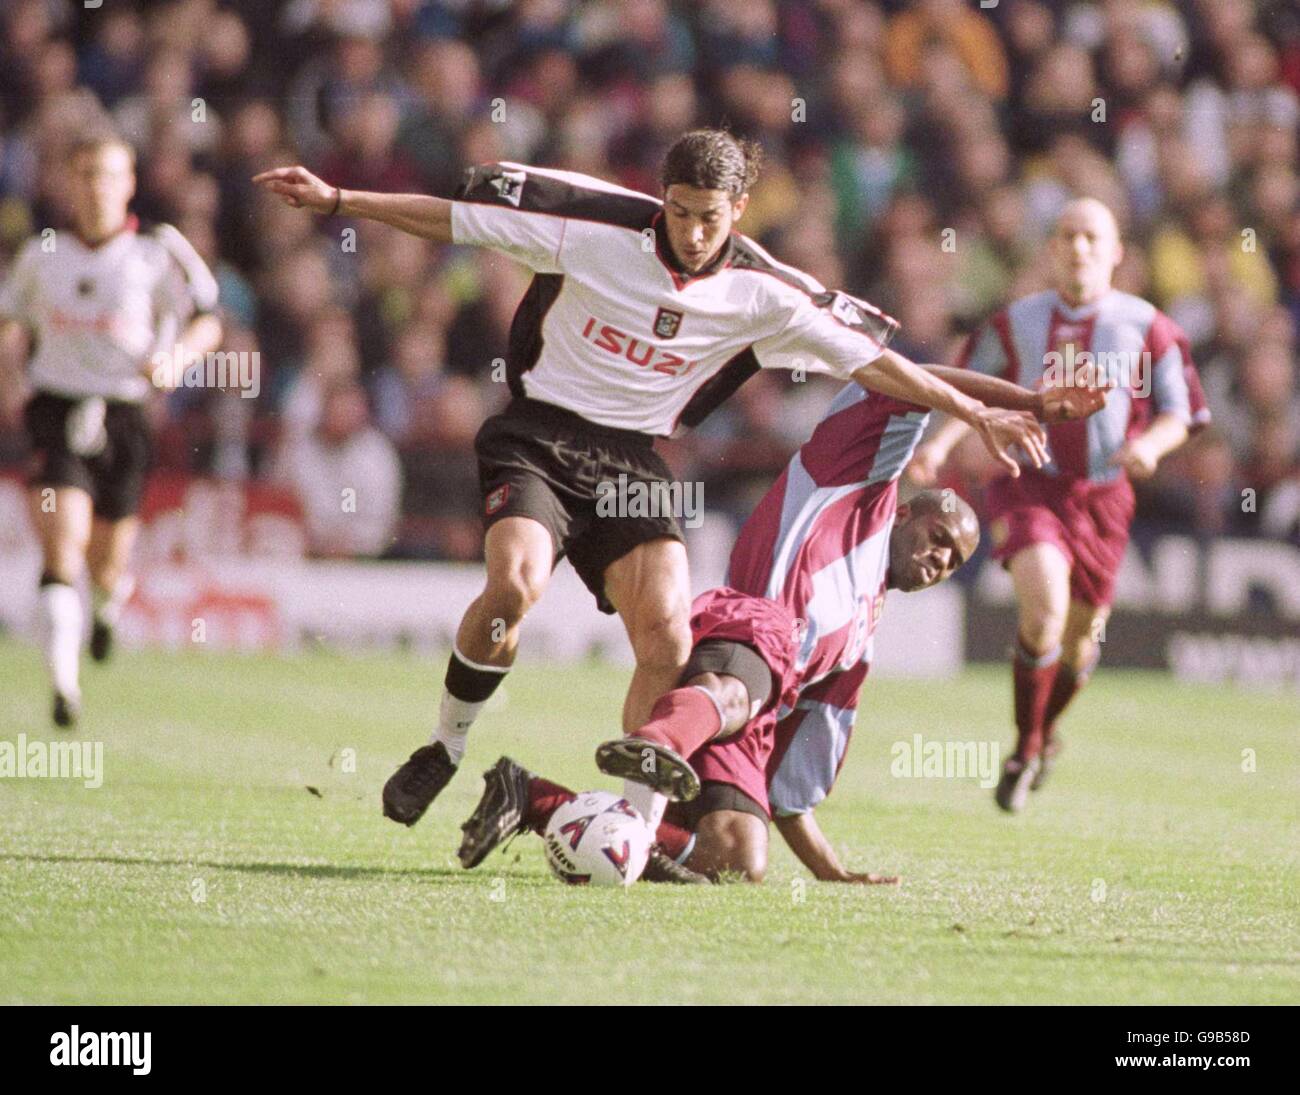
[1054, 404]
[806, 839]
[419, 214]
[894, 375]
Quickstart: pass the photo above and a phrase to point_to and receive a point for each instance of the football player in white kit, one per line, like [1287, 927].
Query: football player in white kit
[643, 314]
[89, 308]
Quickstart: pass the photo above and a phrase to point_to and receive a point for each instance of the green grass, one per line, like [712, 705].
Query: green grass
[315, 897]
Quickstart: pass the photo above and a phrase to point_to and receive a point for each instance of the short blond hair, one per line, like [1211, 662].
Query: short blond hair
[94, 140]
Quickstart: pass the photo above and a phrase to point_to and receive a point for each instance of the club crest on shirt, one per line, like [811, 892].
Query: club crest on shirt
[496, 499]
[667, 323]
[1070, 333]
[999, 530]
[509, 185]
[1069, 337]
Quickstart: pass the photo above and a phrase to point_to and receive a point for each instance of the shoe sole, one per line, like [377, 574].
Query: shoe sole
[394, 813]
[477, 846]
[400, 818]
[669, 774]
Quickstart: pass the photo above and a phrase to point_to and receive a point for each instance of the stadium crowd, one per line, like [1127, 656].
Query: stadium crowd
[915, 155]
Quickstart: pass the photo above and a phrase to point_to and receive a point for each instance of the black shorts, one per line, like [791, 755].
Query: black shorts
[713, 796]
[730, 658]
[540, 461]
[108, 463]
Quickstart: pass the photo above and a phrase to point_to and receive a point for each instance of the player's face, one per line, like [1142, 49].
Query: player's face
[1085, 250]
[101, 184]
[698, 222]
[928, 546]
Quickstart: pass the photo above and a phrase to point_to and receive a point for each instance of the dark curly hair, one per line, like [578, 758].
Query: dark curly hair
[712, 159]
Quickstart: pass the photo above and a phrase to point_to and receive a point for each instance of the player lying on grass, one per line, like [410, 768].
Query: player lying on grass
[765, 706]
[645, 313]
[1061, 530]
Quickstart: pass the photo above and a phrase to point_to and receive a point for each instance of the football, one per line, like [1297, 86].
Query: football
[598, 838]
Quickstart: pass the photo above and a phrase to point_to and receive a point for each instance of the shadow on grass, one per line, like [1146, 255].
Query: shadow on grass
[298, 870]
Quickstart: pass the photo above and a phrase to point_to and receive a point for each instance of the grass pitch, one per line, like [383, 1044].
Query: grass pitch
[230, 855]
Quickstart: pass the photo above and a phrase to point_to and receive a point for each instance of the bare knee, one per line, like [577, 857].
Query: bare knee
[510, 594]
[1041, 575]
[731, 695]
[62, 517]
[1041, 610]
[731, 842]
[1041, 628]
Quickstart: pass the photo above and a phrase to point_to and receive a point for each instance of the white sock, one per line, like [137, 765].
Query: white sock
[650, 804]
[108, 604]
[61, 619]
[455, 717]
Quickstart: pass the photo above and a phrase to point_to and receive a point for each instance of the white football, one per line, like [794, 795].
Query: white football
[598, 838]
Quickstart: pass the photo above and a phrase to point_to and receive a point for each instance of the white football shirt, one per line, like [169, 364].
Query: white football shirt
[98, 314]
[614, 331]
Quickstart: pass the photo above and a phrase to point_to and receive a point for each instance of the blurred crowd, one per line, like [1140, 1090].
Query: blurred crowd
[916, 154]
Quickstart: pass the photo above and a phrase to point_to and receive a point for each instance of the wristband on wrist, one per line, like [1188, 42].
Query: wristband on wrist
[338, 200]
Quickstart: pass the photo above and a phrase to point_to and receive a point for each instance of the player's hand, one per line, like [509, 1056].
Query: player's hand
[923, 471]
[1137, 459]
[1065, 403]
[299, 188]
[870, 878]
[1002, 430]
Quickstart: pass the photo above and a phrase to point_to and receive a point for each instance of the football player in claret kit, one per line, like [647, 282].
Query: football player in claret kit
[1061, 530]
[93, 305]
[766, 705]
[643, 314]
